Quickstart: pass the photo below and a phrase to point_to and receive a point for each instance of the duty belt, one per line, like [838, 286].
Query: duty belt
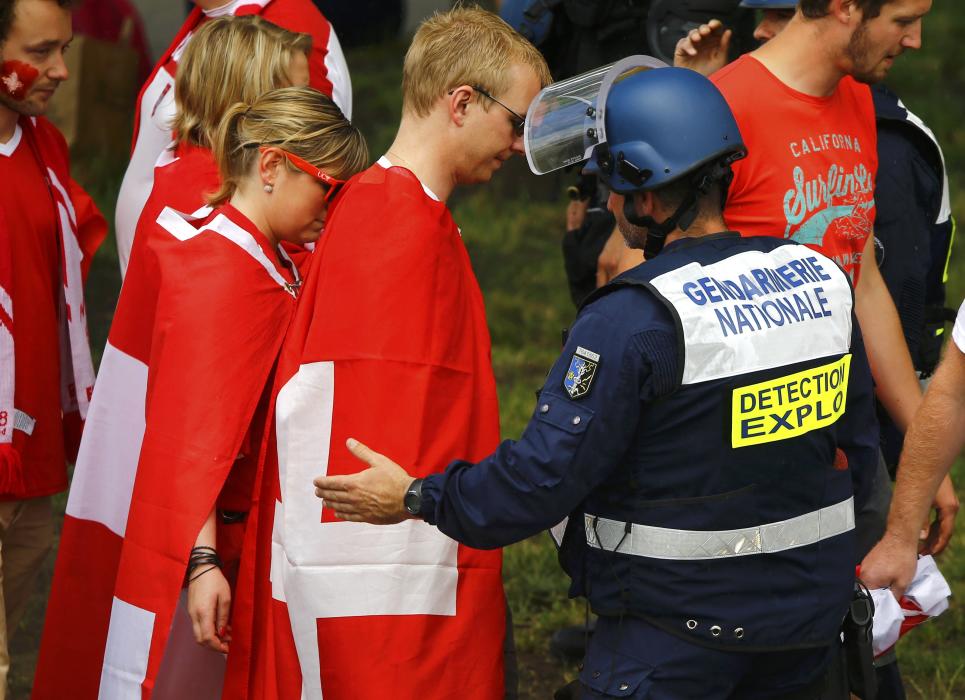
[666, 543]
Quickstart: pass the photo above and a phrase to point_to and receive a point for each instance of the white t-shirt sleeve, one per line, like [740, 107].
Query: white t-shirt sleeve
[958, 333]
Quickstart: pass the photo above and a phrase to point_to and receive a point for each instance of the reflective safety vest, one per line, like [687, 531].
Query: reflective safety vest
[730, 521]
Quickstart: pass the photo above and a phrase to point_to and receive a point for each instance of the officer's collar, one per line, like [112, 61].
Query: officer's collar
[690, 241]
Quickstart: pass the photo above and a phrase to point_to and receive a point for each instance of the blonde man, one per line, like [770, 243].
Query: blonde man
[391, 323]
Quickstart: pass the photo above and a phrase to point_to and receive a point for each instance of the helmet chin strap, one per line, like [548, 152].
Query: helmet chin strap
[657, 232]
[685, 214]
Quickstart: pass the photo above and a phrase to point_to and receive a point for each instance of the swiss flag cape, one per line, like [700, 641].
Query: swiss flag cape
[295, 15]
[389, 345]
[193, 343]
[155, 111]
[80, 230]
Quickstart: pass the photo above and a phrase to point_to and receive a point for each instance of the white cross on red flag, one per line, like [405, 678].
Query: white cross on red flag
[389, 345]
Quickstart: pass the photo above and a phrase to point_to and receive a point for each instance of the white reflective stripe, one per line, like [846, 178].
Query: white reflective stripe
[685, 545]
[23, 422]
[557, 531]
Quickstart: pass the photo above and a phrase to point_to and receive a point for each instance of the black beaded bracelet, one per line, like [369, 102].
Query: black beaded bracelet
[203, 556]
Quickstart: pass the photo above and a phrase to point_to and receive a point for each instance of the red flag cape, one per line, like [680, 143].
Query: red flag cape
[190, 352]
[155, 107]
[295, 15]
[390, 346]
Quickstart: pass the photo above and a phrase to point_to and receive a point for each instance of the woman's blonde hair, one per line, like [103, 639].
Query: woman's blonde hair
[464, 46]
[302, 121]
[229, 60]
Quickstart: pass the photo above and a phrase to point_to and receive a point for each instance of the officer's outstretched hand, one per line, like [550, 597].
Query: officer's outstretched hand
[891, 564]
[704, 49]
[374, 495]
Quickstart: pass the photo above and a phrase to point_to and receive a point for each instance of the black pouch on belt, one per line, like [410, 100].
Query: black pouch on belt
[857, 644]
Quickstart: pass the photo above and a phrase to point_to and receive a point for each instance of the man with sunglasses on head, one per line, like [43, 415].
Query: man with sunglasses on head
[390, 334]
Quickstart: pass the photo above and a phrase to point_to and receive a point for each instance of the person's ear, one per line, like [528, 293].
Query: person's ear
[845, 11]
[644, 203]
[269, 161]
[458, 100]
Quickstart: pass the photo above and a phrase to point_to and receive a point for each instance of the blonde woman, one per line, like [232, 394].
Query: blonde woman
[224, 297]
[155, 106]
[230, 60]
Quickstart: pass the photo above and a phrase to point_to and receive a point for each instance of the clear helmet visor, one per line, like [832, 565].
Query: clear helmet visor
[565, 121]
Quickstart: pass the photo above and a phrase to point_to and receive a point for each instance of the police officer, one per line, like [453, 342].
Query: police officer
[706, 430]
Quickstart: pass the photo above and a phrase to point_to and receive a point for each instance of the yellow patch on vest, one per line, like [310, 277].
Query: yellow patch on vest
[790, 406]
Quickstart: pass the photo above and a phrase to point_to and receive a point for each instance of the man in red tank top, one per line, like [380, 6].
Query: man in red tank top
[804, 108]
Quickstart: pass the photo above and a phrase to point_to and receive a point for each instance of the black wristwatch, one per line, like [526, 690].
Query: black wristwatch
[413, 498]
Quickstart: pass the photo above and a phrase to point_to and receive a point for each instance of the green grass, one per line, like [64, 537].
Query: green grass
[513, 228]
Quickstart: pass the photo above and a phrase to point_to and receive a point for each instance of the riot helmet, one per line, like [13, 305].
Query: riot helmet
[640, 125]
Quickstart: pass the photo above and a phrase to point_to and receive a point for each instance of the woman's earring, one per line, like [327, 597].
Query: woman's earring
[268, 188]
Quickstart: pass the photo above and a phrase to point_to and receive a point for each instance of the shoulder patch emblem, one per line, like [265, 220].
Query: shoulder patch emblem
[580, 374]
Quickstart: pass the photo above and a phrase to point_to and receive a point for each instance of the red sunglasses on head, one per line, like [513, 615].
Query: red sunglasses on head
[334, 185]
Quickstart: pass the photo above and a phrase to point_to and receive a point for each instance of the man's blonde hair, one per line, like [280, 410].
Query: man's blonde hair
[229, 60]
[464, 46]
[302, 121]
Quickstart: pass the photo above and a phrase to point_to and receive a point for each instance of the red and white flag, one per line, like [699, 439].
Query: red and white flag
[193, 343]
[156, 108]
[389, 345]
[926, 597]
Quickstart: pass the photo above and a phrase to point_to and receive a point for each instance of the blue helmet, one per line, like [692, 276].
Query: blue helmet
[769, 4]
[533, 19]
[662, 125]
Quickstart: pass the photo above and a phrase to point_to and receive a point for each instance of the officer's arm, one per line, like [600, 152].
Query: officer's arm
[585, 418]
[857, 432]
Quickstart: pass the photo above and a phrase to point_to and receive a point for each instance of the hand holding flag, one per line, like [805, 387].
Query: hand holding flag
[890, 564]
[374, 495]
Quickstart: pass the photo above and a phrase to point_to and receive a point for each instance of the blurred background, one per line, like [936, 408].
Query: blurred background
[513, 228]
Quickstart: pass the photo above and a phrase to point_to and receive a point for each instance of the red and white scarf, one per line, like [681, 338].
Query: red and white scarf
[9, 460]
[76, 367]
